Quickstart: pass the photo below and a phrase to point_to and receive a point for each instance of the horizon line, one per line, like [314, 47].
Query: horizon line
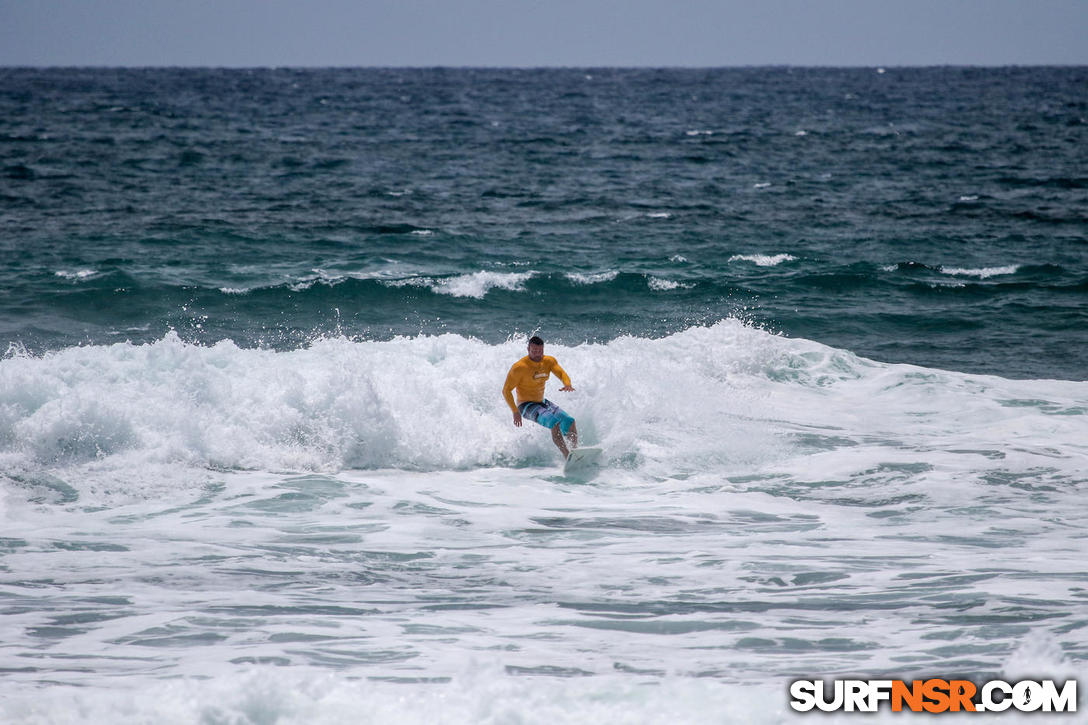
[874, 66]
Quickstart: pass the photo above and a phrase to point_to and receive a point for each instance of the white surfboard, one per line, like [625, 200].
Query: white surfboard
[582, 461]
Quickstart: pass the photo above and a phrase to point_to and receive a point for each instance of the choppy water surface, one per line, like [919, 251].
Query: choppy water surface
[827, 325]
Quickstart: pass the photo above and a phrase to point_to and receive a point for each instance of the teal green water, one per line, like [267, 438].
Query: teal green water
[934, 216]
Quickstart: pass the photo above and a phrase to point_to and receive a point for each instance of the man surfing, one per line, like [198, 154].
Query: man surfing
[529, 376]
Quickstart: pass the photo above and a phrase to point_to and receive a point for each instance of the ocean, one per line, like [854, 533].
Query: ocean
[830, 327]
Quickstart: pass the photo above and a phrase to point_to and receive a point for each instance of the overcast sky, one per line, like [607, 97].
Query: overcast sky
[542, 32]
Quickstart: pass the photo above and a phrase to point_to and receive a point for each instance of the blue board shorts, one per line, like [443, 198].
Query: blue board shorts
[546, 414]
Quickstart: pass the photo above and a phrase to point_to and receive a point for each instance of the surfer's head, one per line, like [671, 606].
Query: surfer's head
[536, 348]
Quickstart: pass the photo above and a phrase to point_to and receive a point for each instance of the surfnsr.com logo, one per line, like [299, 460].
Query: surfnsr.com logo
[933, 695]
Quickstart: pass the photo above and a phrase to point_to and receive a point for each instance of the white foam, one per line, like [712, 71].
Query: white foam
[662, 285]
[483, 693]
[770, 508]
[300, 283]
[304, 284]
[76, 274]
[109, 412]
[1039, 656]
[659, 215]
[595, 278]
[410, 282]
[317, 276]
[981, 272]
[478, 284]
[762, 185]
[763, 260]
[98, 413]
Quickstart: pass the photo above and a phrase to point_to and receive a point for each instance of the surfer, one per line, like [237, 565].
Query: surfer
[529, 375]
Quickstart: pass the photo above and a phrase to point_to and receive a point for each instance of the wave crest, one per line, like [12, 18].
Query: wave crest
[719, 398]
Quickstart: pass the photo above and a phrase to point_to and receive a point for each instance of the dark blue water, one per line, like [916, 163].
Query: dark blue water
[934, 216]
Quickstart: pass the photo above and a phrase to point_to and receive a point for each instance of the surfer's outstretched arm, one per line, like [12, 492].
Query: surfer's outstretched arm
[558, 370]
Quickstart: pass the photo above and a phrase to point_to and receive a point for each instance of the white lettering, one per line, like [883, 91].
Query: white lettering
[991, 705]
[803, 693]
[1064, 701]
[856, 695]
[994, 696]
[1027, 696]
[821, 698]
[880, 690]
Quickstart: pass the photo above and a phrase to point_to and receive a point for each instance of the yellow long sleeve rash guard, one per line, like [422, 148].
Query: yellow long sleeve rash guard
[529, 378]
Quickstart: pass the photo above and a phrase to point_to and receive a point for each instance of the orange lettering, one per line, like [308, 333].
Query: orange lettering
[961, 692]
[911, 695]
[936, 691]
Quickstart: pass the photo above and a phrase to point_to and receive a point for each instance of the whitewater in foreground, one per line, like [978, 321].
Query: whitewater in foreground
[353, 531]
